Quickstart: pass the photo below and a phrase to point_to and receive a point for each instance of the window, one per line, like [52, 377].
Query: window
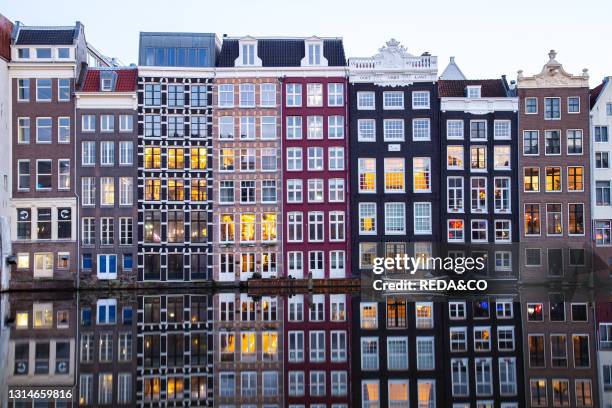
[247, 128]
[479, 194]
[335, 94]
[503, 231]
[43, 174]
[314, 95]
[248, 54]
[393, 130]
[152, 126]
[369, 353]
[553, 178]
[23, 130]
[601, 134]
[247, 95]
[501, 158]
[454, 129]
[532, 219]
[293, 95]
[294, 158]
[63, 89]
[426, 393]
[316, 346]
[268, 128]
[107, 123]
[424, 315]
[531, 179]
[455, 230]
[63, 130]
[338, 345]
[552, 108]
[459, 377]
[458, 339]
[294, 127]
[479, 230]
[425, 353]
[315, 158]
[576, 219]
[397, 353]
[553, 142]
[107, 266]
[107, 191]
[603, 233]
[43, 90]
[454, 157]
[422, 219]
[366, 130]
[23, 90]
[478, 158]
[574, 142]
[152, 95]
[294, 191]
[315, 226]
[581, 350]
[226, 95]
[367, 175]
[575, 176]
[315, 190]
[198, 96]
[484, 377]
[478, 130]
[393, 100]
[395, 218]
[366, 101]
[268, 191]
[267, 94]
[482, 338]
[335, 127]
[421, 130]
[43, 130]
[421, 167]
[247, 159]
[455, 194]
[368, 315]
[531, 105]
[394, 175]
[602, 160]
[336, 190]
[336, 226]
[531, 143]
[558, 347]
[456, 310]
[335, 158]
[507, 376]
[420, 100]
[64, 223]
[584, 393]
[295, 227]
[23, 177]
[107, 153]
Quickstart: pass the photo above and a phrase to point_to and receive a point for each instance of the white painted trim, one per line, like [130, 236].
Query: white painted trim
[479, 106]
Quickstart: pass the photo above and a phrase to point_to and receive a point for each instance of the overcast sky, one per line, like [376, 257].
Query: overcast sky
[487, 41]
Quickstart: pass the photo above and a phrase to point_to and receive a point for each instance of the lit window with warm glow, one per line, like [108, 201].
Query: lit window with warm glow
[424, 315]
[176, 158]
[43, 316]
[270, 345]
[268, 227]
[198, 189]
[152, 158]
[21, 320]
[247, 227]
[394, 175]
[369, 315]
[23, 261]
[198, 158]
[152, 189]
[367, 175]
[247, 345]
[226, 230]
[421, 167]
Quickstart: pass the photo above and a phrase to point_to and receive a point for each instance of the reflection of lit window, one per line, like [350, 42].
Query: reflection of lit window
[152, 389]
[424, 315]
[43, 315]
[23, 261]
[247, 345]
[227, 346]
[152, 189]
[21, 320]
[369, 312]
[421, 168]
[270, 345]
[247, 227]
[176, 158]
[198, 190]
[175, 388]
[370, 393]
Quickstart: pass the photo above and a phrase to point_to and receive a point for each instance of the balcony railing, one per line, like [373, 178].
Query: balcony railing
[420, 63]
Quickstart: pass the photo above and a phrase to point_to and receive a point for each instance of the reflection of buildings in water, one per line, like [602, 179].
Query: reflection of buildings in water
[317, 358]
[407, 357]
[174, 353]
[41, 345]
[603, 321]
[248, 353]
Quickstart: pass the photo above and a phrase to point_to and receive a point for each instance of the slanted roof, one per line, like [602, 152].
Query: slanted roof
[46, 36]
[452, 71]
[490, 88]
[125, 82]
[282, 52]
[595, 92]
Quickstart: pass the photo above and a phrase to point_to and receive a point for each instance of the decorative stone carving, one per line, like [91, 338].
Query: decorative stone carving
[553, 76]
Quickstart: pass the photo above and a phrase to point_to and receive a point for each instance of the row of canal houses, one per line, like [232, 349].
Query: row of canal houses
[331, 350]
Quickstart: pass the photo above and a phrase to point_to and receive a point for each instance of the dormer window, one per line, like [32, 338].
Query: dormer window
[314, 54]
[63, 53]
[473, 91]
[43, 53]
[106, 84]
[248, 54]
[23, 53]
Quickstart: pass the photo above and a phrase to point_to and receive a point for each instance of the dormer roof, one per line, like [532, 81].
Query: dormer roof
[125, 81]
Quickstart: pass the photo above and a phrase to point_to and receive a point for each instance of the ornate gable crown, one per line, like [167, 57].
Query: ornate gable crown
[553, 76]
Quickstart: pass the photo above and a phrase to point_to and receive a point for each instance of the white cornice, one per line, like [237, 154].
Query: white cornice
[180, 72]
[106, 100]
[479, 106]
[279, 72]
[553, 76]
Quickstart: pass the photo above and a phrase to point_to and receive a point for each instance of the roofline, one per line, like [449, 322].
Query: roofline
[280, 38]
[180, 33]
[606, 83]
[127, 67]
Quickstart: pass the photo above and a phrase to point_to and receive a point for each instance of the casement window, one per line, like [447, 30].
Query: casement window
[268, 227]
[88, 231]
[602, 160]
[601, 134]
[478, 130]
[335, 190]
[603, 233]
[296, 346]
[294, 191]
[176, 158]
[226, 228]
[560, 392]
[88, 191]
[455, 230]
[425, 350]
[531, 106]
[367, 218]
[294, 159]
[43, 130]
[315, 190]
[479, 229]
[247, 191]
[338, 349]
[296, 381]
[335, 127]
[248, 54]
[295, 226]
[501, 158]
[247, 343]
[558, 350]
[268, 128]
[366, 130]
[454, 129]
[316, 346]
[88, 153]
[199, 126]
[367, 253]
[247, 95]
[226, 95]
[553, 142]
[458, 339]
[366, 101]
[152, 126]
[126, 230]
[152, 95]
[335, 158]
[317, 383]
[337, 308]
[176, 226]
[248, 384]
[368, 315]
[507, 376]
[23, 130]
[505, 338]
[393, 100]
[424, 315]
[153, 189]
[531, 142]
[107, 153]
[176, 126]
[267, 95]
[227, 384]
[502, 130]
[397, 353]
[269, 340]
[426, 393]
[335, 94]
[43, 174]
[226, 265]
[421, 130]
[107, 269]
[422, 219]
[247, 227]
[268, 191]
[226, 128]
[293, 95]
[501, 194]
[63, 130]
[552, 108]
[483, 376]
[395, 218]
[503, 231]
[369, 353]
[421, 168]
[227, 160]
[294, 127]
[394, 175]
[531, 179]
[247, 128]
[454, 157]
[63, 176]
[107, 231]
[23, 90]
[247, 159]
[574, 142]
[420, 100]
[43, 90]
[393, 130]
[269, 381]
[532, 219]
[315, 158]
[456, 310]
[126, 153]
[575, 219]
[478, 158]
[107, 123]
[314, 95]
[107, 191]
[198, 97]
[584, 393]
[339, 384]
[454, 188]
[199, 229]
[575, 178]
[478, 194]
[336, 226]
[367, 175]
[315, 226]
[459, 377]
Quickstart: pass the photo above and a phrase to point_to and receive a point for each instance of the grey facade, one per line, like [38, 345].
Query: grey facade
[178, 49]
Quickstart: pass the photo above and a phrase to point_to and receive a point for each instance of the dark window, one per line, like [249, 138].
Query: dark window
[152, 306]
[62, 357]
[576, 257]
[175, 267]
[576, 218]
[151, 266]
[127, 315]
[573, 104]
[44, 223]
[199, 229]
[531, 105]
[533, 257]
[555, 261]
[579, 312]
[481, 309]
[531, 142]
[536, 351]
[22, 358]
[552, 108]
[601, 134]
[553, 142]
[64, 223]
[557, 311]
[581, 351]
[41, 363]
[175, 349]
[175, 309]
[24, 223]
[199, 354]
[396, 312]
[87, 261]
[199, 308]
[199, 266]
[86, 317]
[151, 350]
